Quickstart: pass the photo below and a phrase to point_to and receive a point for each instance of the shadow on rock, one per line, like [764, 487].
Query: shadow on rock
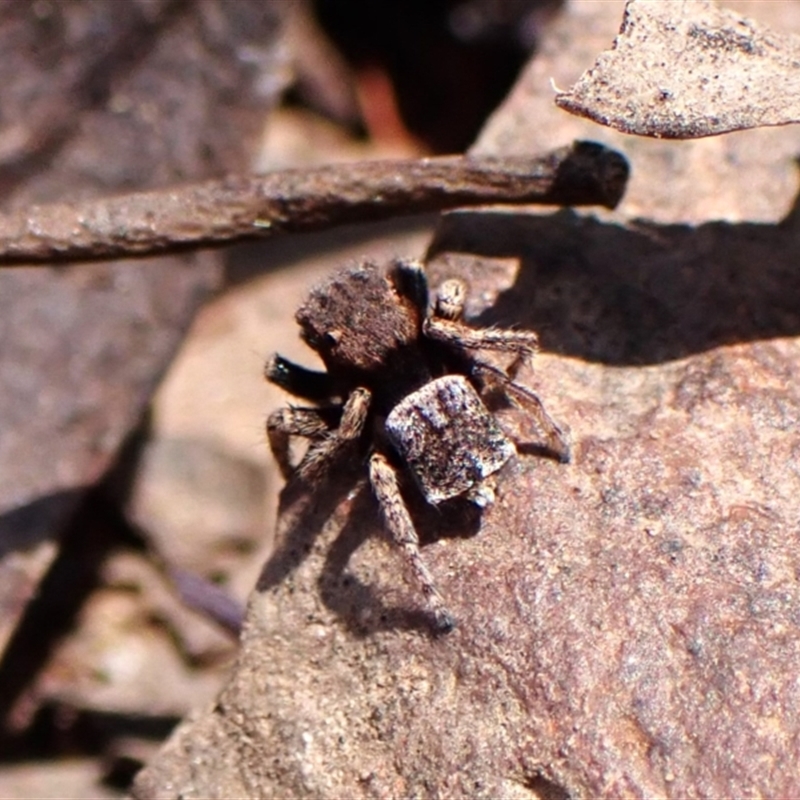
[358, 604]
[302, 516]
[41, 519]
[641, 294]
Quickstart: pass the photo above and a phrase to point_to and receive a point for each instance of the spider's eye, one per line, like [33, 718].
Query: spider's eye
[332, 338]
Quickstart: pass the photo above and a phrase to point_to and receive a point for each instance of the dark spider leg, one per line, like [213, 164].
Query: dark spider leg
[299, 381]
[383, 478]
[322, 454]
[409, 279]
[526, 400]
[311, 423]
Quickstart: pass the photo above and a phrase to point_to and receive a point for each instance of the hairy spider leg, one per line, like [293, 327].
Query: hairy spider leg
[383, 478]
[310, 423]
[449, 307]
[526, 400]
[524, 344]
[323, 453]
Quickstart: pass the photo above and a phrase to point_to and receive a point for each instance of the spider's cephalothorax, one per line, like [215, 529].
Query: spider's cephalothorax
[403, 390]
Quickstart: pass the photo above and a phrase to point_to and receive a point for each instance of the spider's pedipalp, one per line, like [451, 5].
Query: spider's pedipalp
[398, 521]
[450, 299]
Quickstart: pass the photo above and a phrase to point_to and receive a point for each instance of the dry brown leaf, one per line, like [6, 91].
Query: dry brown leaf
[683, 70]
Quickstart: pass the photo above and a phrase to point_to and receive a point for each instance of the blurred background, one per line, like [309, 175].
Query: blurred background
[137, 496]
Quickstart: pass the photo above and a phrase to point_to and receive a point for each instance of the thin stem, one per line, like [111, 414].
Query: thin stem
[236, 208]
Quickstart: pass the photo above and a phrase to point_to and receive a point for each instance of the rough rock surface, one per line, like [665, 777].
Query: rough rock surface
[629, 624]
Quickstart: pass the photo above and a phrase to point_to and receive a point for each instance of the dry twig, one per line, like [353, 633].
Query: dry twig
[252, 207]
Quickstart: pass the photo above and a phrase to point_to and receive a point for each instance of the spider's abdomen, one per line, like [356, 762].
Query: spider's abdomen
[448, 438]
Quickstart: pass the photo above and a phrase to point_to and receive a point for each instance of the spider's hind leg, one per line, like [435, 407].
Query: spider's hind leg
[383, 478]
[492, 379]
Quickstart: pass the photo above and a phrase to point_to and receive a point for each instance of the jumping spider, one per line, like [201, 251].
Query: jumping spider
[404, 390]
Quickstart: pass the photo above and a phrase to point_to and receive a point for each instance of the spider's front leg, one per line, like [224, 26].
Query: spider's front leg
[309, 384]
[383, 478]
